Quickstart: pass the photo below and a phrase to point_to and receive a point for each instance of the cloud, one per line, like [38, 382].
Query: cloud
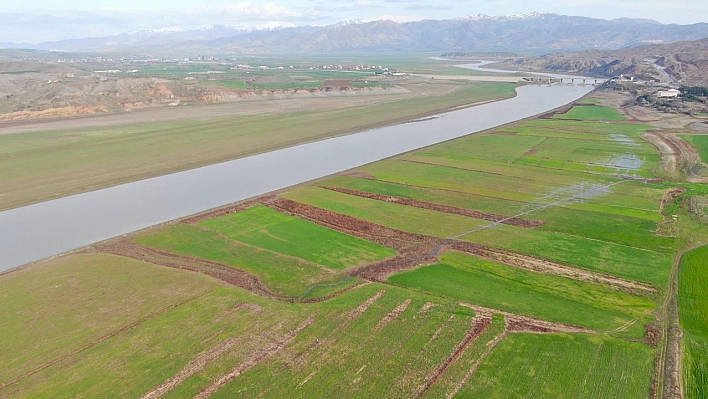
[394, 18]
[423, 6]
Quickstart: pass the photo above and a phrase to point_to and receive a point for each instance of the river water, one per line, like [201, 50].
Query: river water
[53, 227]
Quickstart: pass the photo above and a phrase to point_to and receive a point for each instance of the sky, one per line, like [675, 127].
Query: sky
[34, 21]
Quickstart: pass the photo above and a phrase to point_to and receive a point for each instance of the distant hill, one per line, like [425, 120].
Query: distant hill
[530, 33]
[683, 62]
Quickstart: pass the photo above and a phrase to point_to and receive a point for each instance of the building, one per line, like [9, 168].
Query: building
[671, 93]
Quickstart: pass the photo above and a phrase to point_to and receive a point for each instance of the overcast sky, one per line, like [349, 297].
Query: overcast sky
[33, 21]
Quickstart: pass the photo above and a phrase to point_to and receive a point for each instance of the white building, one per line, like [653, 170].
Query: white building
[668, 93]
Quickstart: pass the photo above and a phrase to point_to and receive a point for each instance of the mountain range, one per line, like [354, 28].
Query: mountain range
[530, 33]
[683, 62]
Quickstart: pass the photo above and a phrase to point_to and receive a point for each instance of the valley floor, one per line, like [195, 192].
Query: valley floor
[542, 259]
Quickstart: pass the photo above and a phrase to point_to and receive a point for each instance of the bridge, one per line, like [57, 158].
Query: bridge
[571, 81]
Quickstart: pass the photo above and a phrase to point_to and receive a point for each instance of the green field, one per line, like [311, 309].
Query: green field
[490, 284]
[563, 366]
[606, 257]
[592, 113]
[52, 309]
[693, 309]
[700, 142]
[281, 274]
[283, 234]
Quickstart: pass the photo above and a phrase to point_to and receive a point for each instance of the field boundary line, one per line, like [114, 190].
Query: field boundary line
[442, 189]
[102, 339]
[254, 359]
[461, 168]
[480, 323]
[191, 368]
[453, 210]
[490, 346]
[356, 312]
[392, 315]
[541, 207]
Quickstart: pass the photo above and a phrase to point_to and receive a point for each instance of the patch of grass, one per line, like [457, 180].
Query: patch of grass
[443, 177]
[458, 370]
[563, 366]
[390, 362]
[700, 142]
[266, 228]
[446, 197]
[492, 147]
[476, 281]
[604, 257]
[618, 229]
[53, 308]
[693, 311]
[592, 113]
[284, 275]
[232, 84]
[400, 217]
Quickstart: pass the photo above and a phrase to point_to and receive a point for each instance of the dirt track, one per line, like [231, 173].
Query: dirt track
[518, 323]
[677, 155]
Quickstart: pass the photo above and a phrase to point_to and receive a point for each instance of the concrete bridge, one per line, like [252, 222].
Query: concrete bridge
[571, 81]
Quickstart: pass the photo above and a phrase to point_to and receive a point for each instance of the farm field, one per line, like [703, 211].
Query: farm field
[700, 142]
[534, 260]
[531, 365]
[498, 286]
[693, 308]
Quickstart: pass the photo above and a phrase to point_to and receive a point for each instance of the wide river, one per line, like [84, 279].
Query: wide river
[50, 228]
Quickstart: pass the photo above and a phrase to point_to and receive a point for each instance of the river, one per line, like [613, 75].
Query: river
[53, 227]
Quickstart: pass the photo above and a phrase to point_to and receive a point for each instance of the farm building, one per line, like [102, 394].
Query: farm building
[668, 93]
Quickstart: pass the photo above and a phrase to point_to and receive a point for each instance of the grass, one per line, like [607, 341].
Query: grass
[700, 142]
[473, 280]
[400, 217]
[446, 197]
[53, 308]
[605, 257]
[484, 147]
[266, 228]
[539, 366]
[459, 370]
[693, 311]
[284, 275]
[318, 362]
[381, 368]
[592, 113]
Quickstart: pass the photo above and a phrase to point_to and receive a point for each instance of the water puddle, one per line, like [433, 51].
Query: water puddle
[577, 193]
[622, 139]
[622, 163]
